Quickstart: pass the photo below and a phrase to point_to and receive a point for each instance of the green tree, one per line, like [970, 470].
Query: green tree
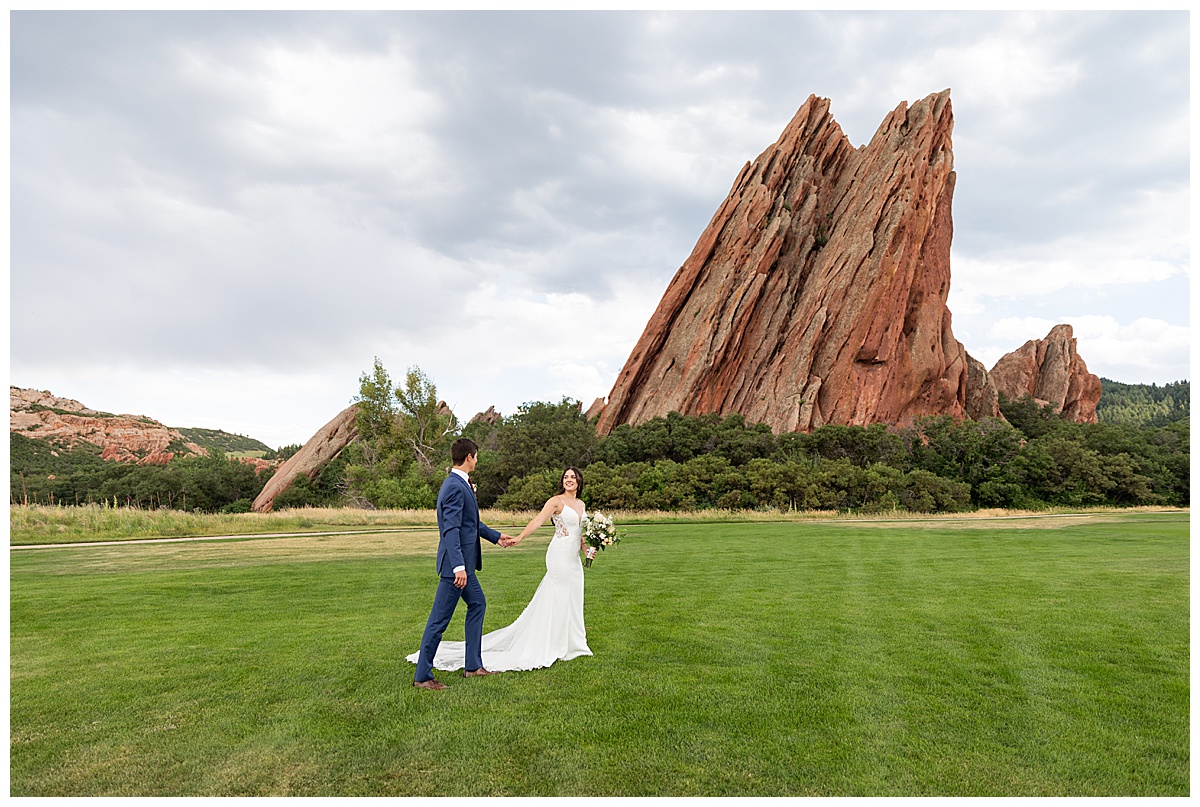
[404, 437]
[1031, 418]
[530, 492]
[425, 425]
[1144, 405]
[412, 491]
[539, 437]
[376, 417]
[862, 445]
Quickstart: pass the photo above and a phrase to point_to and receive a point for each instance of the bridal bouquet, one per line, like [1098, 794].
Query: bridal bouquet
[598, 533]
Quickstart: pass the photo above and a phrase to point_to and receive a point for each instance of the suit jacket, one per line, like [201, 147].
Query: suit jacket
[460, 528]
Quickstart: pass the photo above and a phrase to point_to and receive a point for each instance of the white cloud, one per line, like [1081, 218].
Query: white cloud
[195, 199]
[1019, 330]
[311, 105]
[1139, 352]
[1000, 67]
[508, 347]
[695, 150]
[1143, 351]
[977, 281]
[1145, 240]
[275, 408]
[1001, 71]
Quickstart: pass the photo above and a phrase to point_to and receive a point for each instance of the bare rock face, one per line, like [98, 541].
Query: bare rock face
[25, 399]
[124, 438]
[324, 446]
[1052, 372]
[259, 465]
[490, 417]
[817, 294]
[594, 410]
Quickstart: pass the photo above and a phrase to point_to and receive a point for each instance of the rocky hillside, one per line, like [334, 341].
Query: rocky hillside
[41, 415]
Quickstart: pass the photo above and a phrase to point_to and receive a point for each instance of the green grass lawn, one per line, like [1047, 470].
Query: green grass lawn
[1034, 657]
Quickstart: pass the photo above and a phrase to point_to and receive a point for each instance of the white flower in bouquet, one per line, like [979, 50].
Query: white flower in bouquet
[598, 533]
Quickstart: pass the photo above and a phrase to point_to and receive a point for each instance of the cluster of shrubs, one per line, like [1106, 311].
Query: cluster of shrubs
[1031, 459]
[713, 482]
[44, 473]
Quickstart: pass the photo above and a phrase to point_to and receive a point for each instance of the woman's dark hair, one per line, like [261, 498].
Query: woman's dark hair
[578, 480]
[462, 448]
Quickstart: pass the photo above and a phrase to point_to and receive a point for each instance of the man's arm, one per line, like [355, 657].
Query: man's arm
[487, 532]
[452, 513]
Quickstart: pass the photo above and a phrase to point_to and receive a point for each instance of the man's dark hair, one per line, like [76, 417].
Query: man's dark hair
[461, 449]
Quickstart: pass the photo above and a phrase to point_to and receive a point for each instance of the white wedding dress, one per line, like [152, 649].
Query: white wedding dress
[551, 626]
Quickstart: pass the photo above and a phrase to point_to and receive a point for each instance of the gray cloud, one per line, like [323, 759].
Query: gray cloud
[303, 190]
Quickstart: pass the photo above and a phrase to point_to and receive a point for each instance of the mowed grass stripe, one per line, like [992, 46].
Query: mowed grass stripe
[731, 659]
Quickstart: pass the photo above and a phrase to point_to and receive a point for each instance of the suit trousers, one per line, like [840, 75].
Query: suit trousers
[444, 603]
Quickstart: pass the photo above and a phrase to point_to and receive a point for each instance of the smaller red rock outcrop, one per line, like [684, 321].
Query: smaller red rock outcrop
[1052, 372]
[595, 410]
[324, 446]
[259, 464]
[490, 417]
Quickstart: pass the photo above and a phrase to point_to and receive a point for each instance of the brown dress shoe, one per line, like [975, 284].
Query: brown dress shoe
[473, 673]
[432, 683]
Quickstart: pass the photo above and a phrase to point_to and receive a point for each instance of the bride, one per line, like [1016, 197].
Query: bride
[551, 626]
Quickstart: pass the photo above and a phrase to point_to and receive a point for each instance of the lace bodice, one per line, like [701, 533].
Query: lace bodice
[565, 525]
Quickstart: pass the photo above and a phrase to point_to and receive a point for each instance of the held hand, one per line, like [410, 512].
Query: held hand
[460, 579]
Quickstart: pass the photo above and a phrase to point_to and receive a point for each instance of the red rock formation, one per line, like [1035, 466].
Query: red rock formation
[123, 438]
[490, 417]
[1052, 372]
[259, 464]
[817, 294]
[325, 445]
[595, 409]
[23, 399]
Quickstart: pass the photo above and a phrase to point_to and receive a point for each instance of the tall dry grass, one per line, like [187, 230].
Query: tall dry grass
[45, 524]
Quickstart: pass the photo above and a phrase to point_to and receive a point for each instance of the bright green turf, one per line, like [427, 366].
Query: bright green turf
[750, 659]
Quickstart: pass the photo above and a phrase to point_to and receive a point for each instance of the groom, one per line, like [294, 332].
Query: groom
[458, 559]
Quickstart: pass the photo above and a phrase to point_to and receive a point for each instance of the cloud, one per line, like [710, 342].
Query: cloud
[276, 408]
[1143, 239]
[503, 347]
[213, 199]
[1141, 351]
[1000, 69]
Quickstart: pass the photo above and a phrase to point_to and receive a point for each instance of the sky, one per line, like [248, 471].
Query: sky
[219, 219]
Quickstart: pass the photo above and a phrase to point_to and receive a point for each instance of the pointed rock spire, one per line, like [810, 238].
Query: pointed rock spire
[817, 293]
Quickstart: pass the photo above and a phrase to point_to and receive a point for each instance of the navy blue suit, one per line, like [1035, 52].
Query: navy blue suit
[458, 545]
